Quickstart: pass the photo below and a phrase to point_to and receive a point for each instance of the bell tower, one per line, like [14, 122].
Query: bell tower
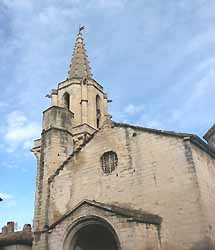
[82, 95]
[78, 109]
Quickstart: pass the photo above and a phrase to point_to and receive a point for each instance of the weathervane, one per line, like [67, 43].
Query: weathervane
[81, 28]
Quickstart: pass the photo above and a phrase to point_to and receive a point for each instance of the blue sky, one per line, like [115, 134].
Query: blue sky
[155, 59]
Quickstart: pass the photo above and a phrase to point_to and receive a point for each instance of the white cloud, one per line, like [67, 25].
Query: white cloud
[186, 116]
[201, 90]
[132, 109]
[8, 200]
[200, 41]
[17, 4]
[19, 131]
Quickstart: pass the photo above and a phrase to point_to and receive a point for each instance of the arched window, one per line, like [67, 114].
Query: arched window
[66, 100]
[98, 111]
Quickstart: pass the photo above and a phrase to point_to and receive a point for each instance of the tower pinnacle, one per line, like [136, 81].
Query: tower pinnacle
[79, 66]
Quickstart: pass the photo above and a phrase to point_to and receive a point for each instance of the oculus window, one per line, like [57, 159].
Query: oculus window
[109, 162]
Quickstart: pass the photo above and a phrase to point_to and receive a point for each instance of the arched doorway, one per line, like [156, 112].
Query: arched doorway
[94, 237]
[91, 233]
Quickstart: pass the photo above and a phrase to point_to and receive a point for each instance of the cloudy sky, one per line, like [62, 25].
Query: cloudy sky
[155, 59]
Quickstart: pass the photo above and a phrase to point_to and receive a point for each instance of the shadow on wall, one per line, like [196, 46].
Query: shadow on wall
[204, 244]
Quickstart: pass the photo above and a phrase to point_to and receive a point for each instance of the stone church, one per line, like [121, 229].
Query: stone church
[103, 185]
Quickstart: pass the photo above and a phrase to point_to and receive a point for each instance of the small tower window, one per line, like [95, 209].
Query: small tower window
[98, 111]
[109, 162]
[66, 99]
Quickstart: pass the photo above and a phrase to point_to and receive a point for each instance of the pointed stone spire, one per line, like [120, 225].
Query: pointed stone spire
[79, 66]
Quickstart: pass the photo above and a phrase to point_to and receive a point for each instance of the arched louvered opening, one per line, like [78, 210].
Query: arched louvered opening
[66, 100]
[98, 111]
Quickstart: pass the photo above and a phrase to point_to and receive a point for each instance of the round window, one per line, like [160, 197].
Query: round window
[109, 162]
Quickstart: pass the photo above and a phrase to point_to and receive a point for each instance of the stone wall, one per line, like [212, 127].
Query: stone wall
[131, 235]
[56, 142]
[205, 169]
[155, 173]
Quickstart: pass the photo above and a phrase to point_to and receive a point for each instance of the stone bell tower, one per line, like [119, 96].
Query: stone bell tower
[82, 95]
[78, 109]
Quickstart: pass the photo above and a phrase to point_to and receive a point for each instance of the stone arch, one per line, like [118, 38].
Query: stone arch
[90, 226]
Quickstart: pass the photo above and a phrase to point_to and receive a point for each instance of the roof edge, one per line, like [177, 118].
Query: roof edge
[51, 178]
[132, 214]
[193, 138]
[203, 145]
[14, 238]
[152, 130]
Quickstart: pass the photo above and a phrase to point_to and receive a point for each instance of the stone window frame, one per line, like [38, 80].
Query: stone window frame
[109, 162]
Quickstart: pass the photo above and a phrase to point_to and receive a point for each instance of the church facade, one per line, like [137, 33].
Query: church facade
[103, 185]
